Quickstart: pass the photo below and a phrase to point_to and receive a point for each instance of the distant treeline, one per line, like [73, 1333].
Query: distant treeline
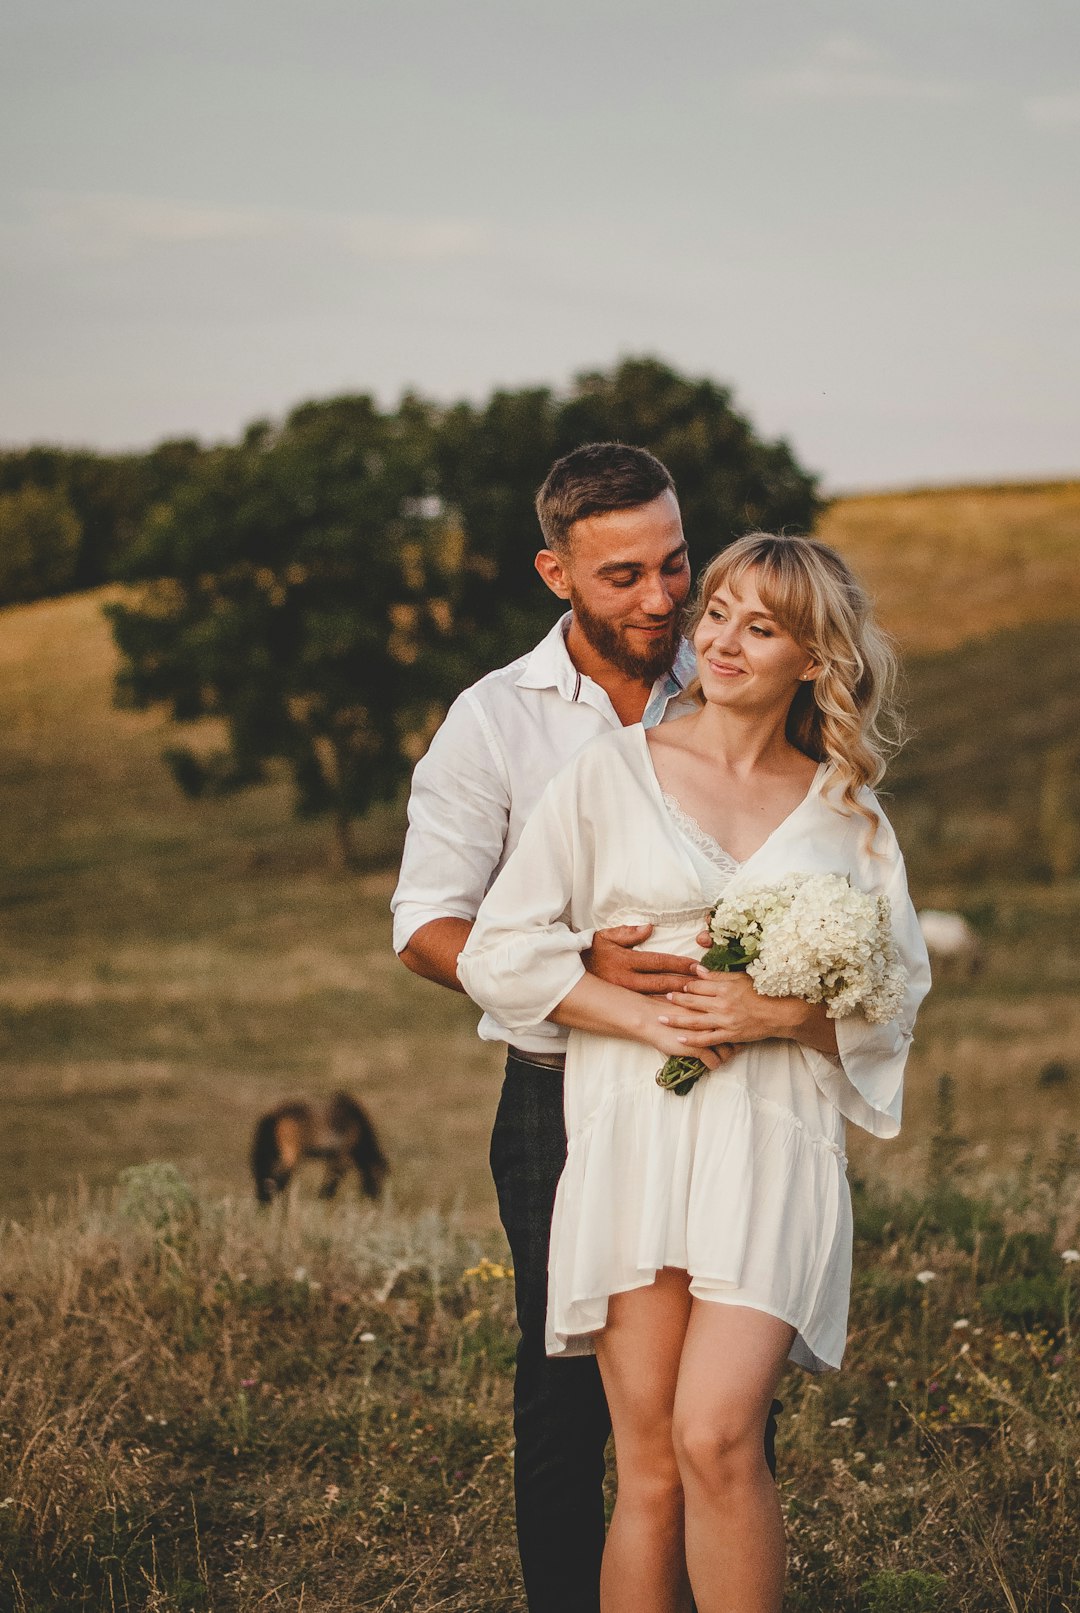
[71, 519]
[328, 583]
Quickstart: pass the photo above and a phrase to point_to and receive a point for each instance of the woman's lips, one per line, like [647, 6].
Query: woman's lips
[723, 669]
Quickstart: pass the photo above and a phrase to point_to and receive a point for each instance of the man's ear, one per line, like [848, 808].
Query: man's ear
[553, 572]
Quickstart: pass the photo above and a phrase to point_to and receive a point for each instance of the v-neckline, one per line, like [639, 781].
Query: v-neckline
[740, 866]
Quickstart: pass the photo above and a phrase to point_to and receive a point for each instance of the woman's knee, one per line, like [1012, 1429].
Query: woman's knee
[720, 1451]
[650, 1476]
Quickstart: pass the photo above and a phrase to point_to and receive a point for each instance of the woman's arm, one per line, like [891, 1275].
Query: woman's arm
[607, 1010]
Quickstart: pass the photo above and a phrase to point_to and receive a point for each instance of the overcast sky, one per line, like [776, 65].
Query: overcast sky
[863, 216]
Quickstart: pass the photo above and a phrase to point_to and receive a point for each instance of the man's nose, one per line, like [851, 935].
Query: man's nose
[659, 600]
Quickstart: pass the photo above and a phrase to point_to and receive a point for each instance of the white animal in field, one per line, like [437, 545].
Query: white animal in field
[950, 940]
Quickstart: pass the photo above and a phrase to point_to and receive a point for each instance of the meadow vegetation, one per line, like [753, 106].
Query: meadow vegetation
[202, 1407]
[205, 1408]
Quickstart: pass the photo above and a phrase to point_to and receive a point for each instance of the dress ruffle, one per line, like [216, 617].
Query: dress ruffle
[726, 1184]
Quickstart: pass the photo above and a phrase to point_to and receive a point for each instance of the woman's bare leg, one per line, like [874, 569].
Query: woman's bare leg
[731, 1363]
[644, 1567]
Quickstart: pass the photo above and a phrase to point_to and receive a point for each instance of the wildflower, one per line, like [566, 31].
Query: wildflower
[841, 1422]
[960, 1323]
[890, 1383]
[489, 1271]
[300, 1274]
[965, 1348]
[248, 1383]
[367, 1338]
[1070, 1256]
[925, 1277]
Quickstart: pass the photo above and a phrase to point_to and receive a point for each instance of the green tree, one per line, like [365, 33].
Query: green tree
[301, 587]
[326, 586]
[110, 494]
[40, 535]
[491, 460]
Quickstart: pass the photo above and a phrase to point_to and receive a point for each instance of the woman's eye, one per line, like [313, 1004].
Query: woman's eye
[761, 632]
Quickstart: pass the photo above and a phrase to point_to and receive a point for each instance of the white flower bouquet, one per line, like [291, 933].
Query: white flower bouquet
[812, 936]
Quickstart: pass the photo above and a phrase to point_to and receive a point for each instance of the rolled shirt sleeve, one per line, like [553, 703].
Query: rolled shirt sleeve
[458, 813]
[523, 955]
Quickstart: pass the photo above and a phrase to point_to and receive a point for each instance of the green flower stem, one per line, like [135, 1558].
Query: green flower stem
[682, 1071]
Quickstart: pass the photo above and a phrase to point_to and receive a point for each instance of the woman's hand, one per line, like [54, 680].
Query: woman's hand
[656, 1030]
[726, 1008]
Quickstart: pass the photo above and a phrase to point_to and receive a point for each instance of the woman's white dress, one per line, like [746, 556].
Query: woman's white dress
[742, 1183]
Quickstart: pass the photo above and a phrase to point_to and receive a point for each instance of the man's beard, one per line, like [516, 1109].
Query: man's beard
[646, 664]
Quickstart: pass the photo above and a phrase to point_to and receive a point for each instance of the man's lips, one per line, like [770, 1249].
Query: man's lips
[650, 627]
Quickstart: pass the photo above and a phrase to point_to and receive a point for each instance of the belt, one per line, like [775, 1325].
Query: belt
[549, 1061]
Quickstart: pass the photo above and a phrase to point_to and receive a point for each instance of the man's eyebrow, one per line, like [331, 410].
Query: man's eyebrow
[635, 565]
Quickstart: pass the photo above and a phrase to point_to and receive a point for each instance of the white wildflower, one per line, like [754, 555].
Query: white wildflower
[1070, 1256]
[925, 1277]
[960, 1323]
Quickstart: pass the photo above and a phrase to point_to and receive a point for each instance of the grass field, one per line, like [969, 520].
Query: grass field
[170, 968]
[208, 1409]
[951, 564]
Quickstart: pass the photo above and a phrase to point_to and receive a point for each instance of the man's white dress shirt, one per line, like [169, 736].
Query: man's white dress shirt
[502, 742]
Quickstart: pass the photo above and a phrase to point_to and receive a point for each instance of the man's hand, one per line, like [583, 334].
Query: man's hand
[612, 957]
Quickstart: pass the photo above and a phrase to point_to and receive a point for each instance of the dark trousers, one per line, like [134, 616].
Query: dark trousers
[561, 1422]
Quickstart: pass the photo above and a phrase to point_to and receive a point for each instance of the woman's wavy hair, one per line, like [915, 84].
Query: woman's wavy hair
[848, 714]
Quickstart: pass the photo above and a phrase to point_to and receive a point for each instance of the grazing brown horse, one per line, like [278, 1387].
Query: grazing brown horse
[334, 1129]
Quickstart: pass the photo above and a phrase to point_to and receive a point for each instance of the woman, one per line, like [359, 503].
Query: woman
[699, 1242]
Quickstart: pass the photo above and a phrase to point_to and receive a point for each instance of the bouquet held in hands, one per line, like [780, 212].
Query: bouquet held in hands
[813, 936]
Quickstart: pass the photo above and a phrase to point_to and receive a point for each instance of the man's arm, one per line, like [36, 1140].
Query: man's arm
[432, 952]
[458, 815]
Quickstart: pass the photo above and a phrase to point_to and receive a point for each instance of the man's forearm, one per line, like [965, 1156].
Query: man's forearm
[433, 951]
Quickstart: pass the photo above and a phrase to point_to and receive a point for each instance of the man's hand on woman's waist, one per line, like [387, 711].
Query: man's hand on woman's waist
[614, 957]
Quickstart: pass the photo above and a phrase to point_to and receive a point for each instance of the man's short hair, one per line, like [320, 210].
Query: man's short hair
[596, 478]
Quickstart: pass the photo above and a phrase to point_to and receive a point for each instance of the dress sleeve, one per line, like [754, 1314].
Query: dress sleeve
[866, 1081]
[524, 954]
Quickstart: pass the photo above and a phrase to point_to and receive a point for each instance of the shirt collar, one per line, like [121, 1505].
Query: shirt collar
[549, 666]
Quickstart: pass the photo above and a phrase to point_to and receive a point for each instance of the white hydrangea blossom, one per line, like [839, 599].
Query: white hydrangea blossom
[816, 937]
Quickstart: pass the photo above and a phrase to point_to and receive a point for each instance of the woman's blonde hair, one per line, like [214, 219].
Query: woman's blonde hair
[847, 715]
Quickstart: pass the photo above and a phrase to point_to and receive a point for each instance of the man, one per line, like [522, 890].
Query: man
[615, 550]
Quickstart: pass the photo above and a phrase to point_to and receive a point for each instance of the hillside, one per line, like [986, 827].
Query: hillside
[170, 968]
[951, 564]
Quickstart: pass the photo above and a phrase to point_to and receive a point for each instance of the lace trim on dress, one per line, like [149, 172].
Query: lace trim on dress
[699, 837]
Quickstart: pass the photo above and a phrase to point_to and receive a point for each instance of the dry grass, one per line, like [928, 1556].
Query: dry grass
[170, 969]
[204, 1408]
[951, 564]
